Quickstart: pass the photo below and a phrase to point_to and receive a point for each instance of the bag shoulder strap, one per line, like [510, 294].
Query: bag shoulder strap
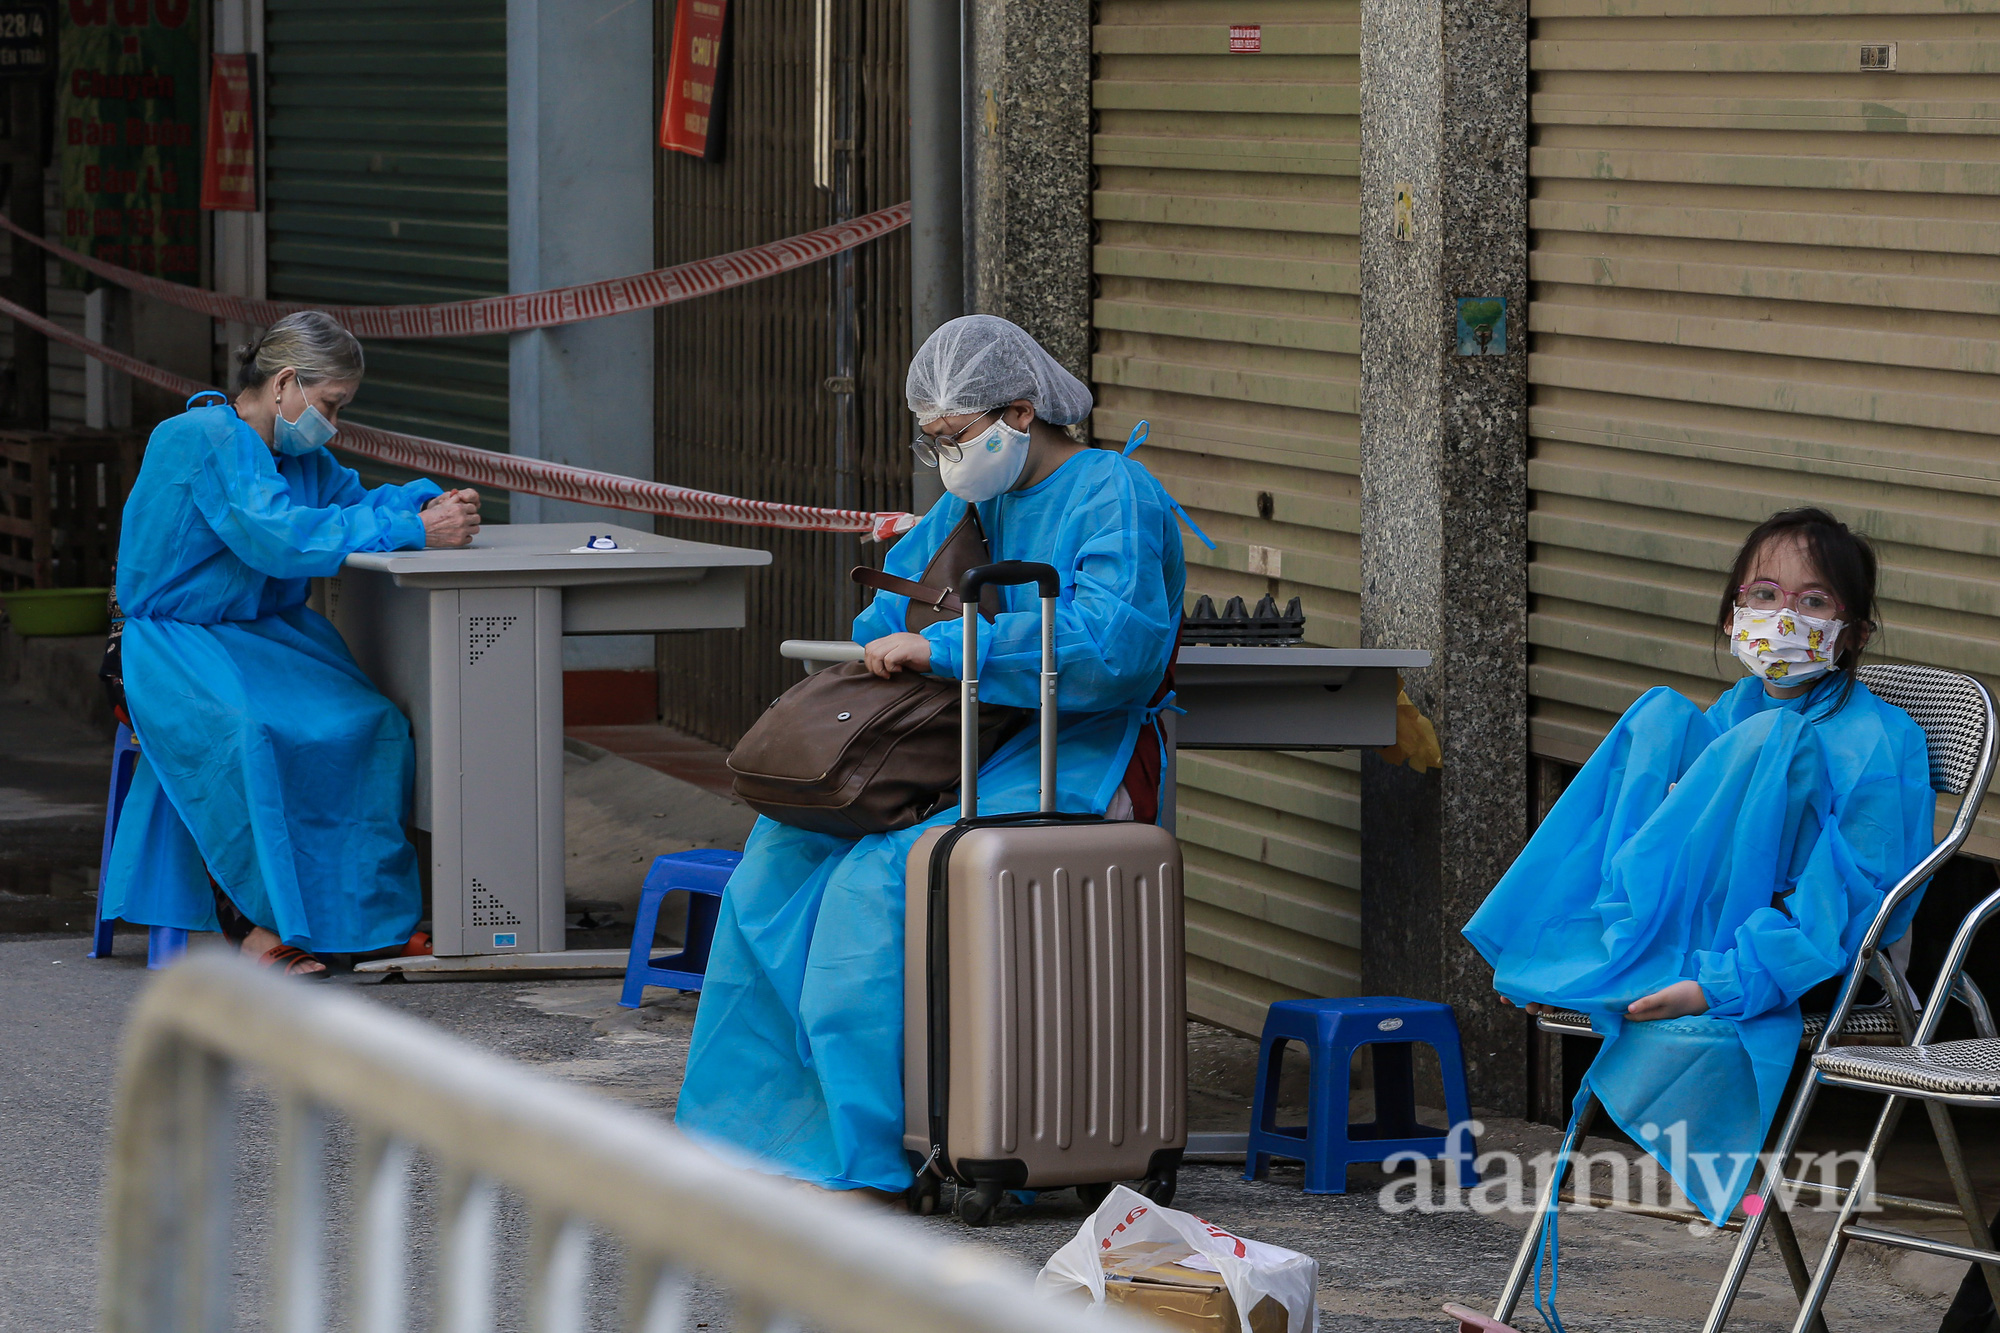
[937, 599]
[964, 548]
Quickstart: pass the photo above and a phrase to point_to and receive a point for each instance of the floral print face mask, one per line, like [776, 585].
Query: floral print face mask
[1782, 646]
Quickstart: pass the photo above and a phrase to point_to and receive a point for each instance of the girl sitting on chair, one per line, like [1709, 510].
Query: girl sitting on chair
[1705, 869]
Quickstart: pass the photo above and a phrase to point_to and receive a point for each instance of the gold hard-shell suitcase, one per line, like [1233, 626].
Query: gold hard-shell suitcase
[1045, 984]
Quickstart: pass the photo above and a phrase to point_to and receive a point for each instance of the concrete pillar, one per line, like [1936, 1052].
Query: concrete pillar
[240, 262]
[1444, 494]
[1028, 157]
[937, 187]
[580, 209]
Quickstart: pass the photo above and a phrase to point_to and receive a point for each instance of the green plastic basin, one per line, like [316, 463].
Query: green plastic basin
[49, 611]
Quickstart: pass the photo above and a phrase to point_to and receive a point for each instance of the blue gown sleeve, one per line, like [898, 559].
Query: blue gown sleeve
[1779, 952]
[251, 507]
[342, 486]
[1115, 622]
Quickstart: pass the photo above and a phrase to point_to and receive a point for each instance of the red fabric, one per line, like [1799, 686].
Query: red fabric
[1142, 774]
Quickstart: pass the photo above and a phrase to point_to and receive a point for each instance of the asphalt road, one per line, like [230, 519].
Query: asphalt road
[59, 1022]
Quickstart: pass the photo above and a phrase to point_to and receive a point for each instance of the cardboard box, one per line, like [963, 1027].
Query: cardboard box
[1149, 1281]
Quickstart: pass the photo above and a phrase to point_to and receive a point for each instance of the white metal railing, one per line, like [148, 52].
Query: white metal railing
[584, 1168]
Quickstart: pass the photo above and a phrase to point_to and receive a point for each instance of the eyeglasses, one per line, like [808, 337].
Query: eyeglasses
[1764, 595]
[948, 445]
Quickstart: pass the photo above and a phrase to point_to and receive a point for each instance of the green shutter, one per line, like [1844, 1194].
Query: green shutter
[387, 184]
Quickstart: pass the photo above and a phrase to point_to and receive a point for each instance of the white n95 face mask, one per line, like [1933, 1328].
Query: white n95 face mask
[1783, 646]
[987, 466]
[309, 432]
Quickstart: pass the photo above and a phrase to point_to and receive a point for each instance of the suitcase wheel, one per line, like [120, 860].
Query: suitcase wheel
[922, 1196]
[1093, 1195]
[1160, 1188]
[976, 1205]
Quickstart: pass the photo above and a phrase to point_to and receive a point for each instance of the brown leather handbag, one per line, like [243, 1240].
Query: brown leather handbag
[848, 753]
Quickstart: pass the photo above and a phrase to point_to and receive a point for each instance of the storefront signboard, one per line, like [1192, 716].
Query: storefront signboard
[229, 152]
[27, 38]
[691, 121]
[128, 107]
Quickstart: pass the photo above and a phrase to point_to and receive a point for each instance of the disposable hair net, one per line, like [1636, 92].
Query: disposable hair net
[981, 361]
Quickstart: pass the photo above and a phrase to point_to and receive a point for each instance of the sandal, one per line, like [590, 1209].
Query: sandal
[418, 947]
[291, 961]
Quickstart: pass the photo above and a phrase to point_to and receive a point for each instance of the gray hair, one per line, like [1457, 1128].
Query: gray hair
[311, 342]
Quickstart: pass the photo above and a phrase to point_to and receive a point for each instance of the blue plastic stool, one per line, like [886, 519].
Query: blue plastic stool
[1332, 1030]
[701, 874]
[163, 943]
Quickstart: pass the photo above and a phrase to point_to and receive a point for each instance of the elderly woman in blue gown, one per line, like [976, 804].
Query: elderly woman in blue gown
[1706, 868]
[798, 1044]
[273, 779]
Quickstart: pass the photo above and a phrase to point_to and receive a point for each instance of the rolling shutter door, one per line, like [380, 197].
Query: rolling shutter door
[1227, 315]
[1761, 277]
[746, 387]
[387, 184]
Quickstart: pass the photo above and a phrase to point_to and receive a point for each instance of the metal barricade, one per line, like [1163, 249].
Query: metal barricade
[583, 1168]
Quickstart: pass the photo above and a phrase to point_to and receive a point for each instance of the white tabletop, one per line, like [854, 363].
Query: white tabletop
[544, 555]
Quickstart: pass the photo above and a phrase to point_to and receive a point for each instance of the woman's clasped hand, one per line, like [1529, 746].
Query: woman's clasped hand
[901, 651]
[451, 519]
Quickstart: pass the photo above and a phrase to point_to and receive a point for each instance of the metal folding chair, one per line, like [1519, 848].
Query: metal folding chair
[1957, 717]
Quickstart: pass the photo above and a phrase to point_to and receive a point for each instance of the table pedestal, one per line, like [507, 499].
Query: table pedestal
[468, 644]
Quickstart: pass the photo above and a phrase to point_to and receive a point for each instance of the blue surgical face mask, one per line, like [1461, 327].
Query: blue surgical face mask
[311, 431]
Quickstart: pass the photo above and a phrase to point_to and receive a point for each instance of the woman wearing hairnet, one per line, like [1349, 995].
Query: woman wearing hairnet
[798, 1045]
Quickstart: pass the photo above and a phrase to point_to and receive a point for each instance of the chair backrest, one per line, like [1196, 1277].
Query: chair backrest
[1954, 710]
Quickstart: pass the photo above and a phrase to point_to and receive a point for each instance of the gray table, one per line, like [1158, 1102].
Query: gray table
[468, 643]
[1289, 698]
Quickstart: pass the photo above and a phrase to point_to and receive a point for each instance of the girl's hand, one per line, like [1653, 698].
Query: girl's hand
[899, 652]
[1676, 1001]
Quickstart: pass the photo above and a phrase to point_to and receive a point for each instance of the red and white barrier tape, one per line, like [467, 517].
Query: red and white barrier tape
[513, 314]
[528, 476]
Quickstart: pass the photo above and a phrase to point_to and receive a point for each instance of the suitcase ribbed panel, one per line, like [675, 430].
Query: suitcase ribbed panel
[1055, 1093]
[1114, 952]
[1013, 1074]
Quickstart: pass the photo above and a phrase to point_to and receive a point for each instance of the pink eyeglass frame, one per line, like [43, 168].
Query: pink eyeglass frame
[1791, 595]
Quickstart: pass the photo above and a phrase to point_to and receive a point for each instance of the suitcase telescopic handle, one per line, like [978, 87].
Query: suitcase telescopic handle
[1002, 574]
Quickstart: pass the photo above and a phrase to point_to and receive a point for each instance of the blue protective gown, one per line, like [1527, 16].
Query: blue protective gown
[267, 757]
[798, 1044]
[1746, 848]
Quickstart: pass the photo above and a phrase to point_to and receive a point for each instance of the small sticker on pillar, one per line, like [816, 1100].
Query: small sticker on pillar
[504, 940]
[1268, 561]
[1482, 326]
[1246, 38]
[1406, 212]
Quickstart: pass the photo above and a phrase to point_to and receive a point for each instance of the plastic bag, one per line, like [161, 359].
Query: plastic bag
[1250, 1269]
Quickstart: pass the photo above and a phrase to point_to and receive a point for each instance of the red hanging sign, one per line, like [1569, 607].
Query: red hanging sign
[691, 121]
[229, 161]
